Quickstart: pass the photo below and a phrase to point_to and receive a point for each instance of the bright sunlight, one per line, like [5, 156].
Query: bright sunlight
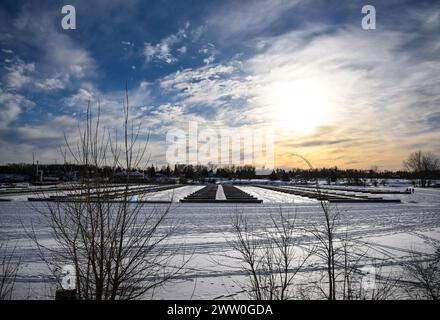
[299, 105]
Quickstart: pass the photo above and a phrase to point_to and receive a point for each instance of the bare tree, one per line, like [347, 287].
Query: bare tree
[423, 164]
[270, 258]
[117, 247]
[345, 261]
[9, 266]
[423, 273]
[362, 278]
[326, 247]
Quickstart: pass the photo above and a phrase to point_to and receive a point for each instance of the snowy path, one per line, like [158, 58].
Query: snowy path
[220, 195]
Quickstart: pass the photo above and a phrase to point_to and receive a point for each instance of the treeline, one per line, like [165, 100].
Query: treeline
[200, 172]
[352, 175]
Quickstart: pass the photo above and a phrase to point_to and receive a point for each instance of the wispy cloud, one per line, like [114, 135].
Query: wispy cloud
[163, 50]
[12, 105]
[60, 59]
[18, 73]
[247, 18]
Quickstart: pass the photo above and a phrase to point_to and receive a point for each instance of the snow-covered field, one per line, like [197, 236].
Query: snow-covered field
[269, 196]
[173, 195]
[390, 231]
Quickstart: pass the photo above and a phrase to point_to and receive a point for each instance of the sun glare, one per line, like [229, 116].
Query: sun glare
[300, 106]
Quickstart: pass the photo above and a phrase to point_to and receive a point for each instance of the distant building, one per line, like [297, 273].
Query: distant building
[161, 178]
[71, 175]
[13, 177]
[132, 176]
[51, 179]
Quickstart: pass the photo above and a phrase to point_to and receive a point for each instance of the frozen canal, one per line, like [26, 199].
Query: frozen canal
[391, 231]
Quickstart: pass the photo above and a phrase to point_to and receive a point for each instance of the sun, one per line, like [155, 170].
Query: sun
[300, 105]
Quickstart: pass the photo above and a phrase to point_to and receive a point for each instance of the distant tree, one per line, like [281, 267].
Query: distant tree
[374, 169]
[334, 175]
[211, 167]
[423, 164]
[273, 175]
[202, 172]
[151, 171]
[176, 172]
[189, 172]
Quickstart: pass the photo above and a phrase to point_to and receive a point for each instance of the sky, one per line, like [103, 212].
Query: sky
[332, 92]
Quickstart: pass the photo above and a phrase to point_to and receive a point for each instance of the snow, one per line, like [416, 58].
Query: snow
[389, 232]
[220, 195]
[269, 196]
[173, 195]
[166, 195]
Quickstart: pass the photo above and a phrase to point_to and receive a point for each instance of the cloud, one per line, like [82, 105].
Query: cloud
[162, 51]
[372, 85]
[57, 59]
[182, 49]
[18, 143]
[82, 96]
[315, 143]
[367, 78]
[210, 51]
[365, 96]
[18, 73]
[209, 60]
[50, 84]
[111, 102]
[248, 17]
[11, 106]
[210, 87]
[8, 51]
